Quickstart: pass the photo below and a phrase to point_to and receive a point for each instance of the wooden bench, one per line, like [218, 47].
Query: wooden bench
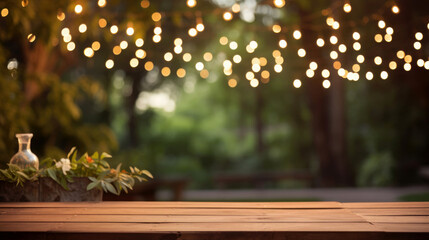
[214, 220]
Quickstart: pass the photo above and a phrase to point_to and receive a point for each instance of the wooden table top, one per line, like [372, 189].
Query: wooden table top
[214, 220]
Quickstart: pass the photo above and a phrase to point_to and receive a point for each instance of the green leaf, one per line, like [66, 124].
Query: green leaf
[51, 173]
[95, 155]
[23, 175]
[111, 188]
[105, 155]
[92, 179]
[92, 185]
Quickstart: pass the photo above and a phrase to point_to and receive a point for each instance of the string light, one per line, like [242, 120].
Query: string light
[178, 49]
[71, 46]
[250, 75]
[347, 7]
[165, 71]
[417, 45]
[342, 48]
[60, 15]
[253, 44]
[148, 66]
[31, 37]
[388, 38]
[336, 25]
[168, 56]
[156, 38]
[157, 30]
[187, 57]
[82, 28]
[381, 24]
[279, 60]
[392, 65]
[95, 45]
[400, 54]
[320, 42]
[369, 76]
[227, 16]
[378, 38]
[378, 60]
[337, 65]
[88, 52]
[278, 68]
[236, 8]
[117, 50]
[254, 82]
[123, 44]
[333, 55]
[200, 27]
[114, 29]
[207, 56]
[101, 3]
[65, 32]
[384, 75]
[341, 72]
[427, 65]
[277, 28]
[356, 67]
[191, 3]
[134, 62]
[130, 31]
[420, 62]
[232, 83]
[301, 52]
[408, 59]
[199, 66]
[145, 3]
[102, 23]
[223, 40]
[356, 46]
[419, 36]
[313, 66]
[204, 73]
[297, 83]
[389, 30]
[276, 54]
[279, 3]
[140, 53]
[67, 38]
[395, 9]
[78, 9]
[333, 40]
[297, 34]
[407, 67]
[256, 67]
[156, 16]
[330, 21]
[139, 42]
[4, 12]
[360, 58]
[233, 45]
[227, 64]
[24, 3]
[326, 83]
[282, 43]
[265, 74]
[109, 64]
[236, 58]
[356, 36]
[309, 73]
[325, 73]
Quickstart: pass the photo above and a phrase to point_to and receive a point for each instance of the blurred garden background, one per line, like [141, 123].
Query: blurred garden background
[305, 93]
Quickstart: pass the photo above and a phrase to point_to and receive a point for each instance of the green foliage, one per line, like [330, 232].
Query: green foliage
[17, 175]
[377, 170]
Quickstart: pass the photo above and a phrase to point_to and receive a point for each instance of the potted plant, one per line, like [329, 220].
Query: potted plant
[74, 178]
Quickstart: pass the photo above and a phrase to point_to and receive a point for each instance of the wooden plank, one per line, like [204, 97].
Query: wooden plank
[177, 211]
[397, 219]
[403, 227]
[387, 205]
[138, 204]
[298, 217]
[186, 227]
[392, 211]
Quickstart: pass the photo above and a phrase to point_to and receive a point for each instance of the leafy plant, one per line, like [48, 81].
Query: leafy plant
[17, 175]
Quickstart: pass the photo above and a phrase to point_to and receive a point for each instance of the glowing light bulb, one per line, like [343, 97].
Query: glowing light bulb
[199, 66]
[207, 56]
[400, 54]
[417, 45]
[227, 16]
[139, 42]
[333, 40]
[320, 42]
[192, 32]
[101, 3]
[309, 73]
[326, 83]
[223, 40]
[181, 73]
[301, 52]
[381, 24]
[392, 65]
[168, 56]
[278, 68]
[31, 37]
[277, 28]
[253, 44]
[407, 67]
[369, 75]
[130, 31]
[419, 36]
[395, 9]
[378, 38]
[342, 48]
[88, 52]
[297, 34]
[187, 57]
[336, 25]
[384, 75]
[178, 49]
[148, 66]
[325, 73]
[282, 43]
[156, 38]
[347, 8]
[236, 58]
[123, 44]
[388, 38]
[389, 30]
[420, 62]
[82, 28]
[95, 45]
[356, 46]
[250, 75]
[5, 12]
[102, 23]
[232, 83]
[165, 71]
[330, 21]
[236, 8]
[279, 3]
[378, 60]
[313, 65]
[156, 16]
[360, 58]
[140, 53]
[333, 55]
[78, 9]
[200, 27]
[356, 36]
[109, 64]
[191, 3]
[157, 30]
[60, 15]
[71, 46]
[297, 83]
[134, 62]
[233, 45]
[114, 29]
[254, 82]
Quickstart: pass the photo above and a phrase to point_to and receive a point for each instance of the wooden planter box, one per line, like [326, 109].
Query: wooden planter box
[47, 190]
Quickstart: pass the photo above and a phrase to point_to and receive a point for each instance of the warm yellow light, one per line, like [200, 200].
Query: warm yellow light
[123, 44]
[408, 59]
[389, 30]
[207, 56]
[417, 45]
[117, 50]
[60, 15]
[168, 56]
[140, 53]
[233, 45]
[360, 58]
[297, 83]
[236, 58]
[278, 68]
[156, 16]
[427, 65]
[313, 65]
[165, 71]
[347, 7]
[223, 40]
[130, 31]
[419, 36]
[342, 48]
[71, 46]
[378, 60]
[356, 46]
[392, 65]
[369, 75]
[148, 66]
[254, 82]
[178, 49]
[67, 38]
[333, 40]
[420, 62]
[325, 73]
[277, 28]
[279, 60]
[388, 38]
[31, 37]
[341, 72]
[187, 57]
[181, 73]
[384, 75]
[88, 52]
[204, 73]
[199, 66]
[236, 8]
[5, 12]
[227, 16]
[157, 30]
[276, 53]
[65, 32]
[356, 36]
[101, 3]
[78, 8]
[256, 67]
[250, 75]
[253, 44]
[333, 55]
[249, 49]
[279, 3]
[320, 42]
[381, 24]
[139, 42]
[407, 67]
[102, 23]
[282, 43]
[336, 25]
[200, 27]
[395, 9]
[82, 28]
[378, 38]
[114, 29]
[145, 3]
[263, 61]
[156, 38]
[330, 21]
[232, 83]
[95, 46]
[191, 3]
[301, 52]
[265, 74]
[400, 54]
[297, 34]
[337, 65]
[134, 62]
[309, 73]
[109, 64]
[326, 83]
[356, 67]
